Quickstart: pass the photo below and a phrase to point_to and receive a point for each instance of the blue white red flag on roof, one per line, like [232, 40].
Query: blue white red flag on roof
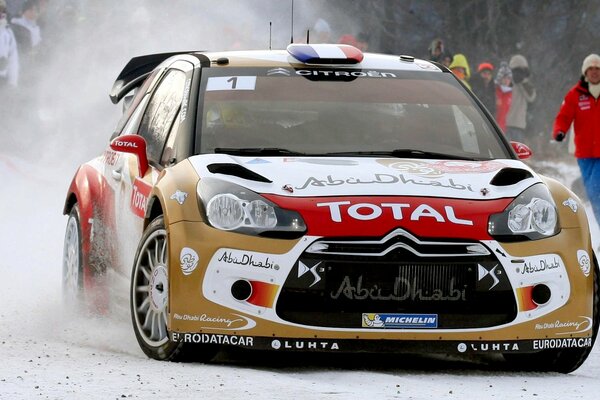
[325, 53]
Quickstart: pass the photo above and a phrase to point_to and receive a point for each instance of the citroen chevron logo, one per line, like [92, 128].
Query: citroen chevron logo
[483, 272]
[278, 71]
[302, 269]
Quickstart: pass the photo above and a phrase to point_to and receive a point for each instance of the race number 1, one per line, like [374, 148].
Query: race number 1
[231, 83]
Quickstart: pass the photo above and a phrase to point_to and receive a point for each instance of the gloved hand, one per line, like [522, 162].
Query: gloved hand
[559, 136]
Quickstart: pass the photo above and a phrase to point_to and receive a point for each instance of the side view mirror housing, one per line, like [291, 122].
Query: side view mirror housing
[132, 144]
[522, 151]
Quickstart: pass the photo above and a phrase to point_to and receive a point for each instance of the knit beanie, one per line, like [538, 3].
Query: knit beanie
[593, 60]
[503, 71]
[518, 61]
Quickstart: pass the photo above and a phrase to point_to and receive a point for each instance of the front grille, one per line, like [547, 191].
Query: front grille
[397, 244]
[335, 282]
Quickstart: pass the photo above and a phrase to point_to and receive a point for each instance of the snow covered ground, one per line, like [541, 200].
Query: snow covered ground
[49, 354]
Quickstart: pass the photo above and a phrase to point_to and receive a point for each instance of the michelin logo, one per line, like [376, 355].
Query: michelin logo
[400, 321]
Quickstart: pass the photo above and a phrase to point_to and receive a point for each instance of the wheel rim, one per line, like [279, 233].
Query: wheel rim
[150, 288]
[71, 260]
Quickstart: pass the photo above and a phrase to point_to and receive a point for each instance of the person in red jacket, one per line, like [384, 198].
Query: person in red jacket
[503, 94]
[581, 108]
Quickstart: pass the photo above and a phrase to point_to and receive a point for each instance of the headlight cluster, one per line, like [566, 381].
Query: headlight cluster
[531, 215]
[234, 208]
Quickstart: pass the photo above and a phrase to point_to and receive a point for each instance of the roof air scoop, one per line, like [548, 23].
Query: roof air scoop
[236, 170]
[510, 176]
[327, 54]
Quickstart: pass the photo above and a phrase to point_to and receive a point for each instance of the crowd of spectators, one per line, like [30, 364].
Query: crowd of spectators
[506, 95]
[20, 40]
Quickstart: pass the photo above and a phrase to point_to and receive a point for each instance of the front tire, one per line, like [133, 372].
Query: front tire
[72, 271]
[149, 299]
[562, 360]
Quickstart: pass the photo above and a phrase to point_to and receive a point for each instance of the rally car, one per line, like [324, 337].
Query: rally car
[320, 198]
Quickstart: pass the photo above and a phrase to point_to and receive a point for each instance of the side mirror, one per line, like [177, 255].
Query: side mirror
[132, 144]
[522, 150]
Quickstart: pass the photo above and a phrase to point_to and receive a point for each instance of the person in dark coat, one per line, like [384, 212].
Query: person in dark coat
[439, 53]
[483, 86]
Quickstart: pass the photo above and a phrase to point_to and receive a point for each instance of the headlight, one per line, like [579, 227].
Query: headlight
[532, 215]
[234, 208]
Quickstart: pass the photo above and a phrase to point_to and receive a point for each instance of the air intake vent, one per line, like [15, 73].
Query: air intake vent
[236, 170]
[510, 176]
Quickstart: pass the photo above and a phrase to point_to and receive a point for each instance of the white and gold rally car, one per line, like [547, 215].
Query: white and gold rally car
[325, 199]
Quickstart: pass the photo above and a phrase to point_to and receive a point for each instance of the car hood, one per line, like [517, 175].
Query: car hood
[361, 176]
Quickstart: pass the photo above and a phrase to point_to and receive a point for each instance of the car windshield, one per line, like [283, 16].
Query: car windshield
[282, 111]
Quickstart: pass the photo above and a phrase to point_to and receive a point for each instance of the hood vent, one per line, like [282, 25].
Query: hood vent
[236, 170]
[510, 176]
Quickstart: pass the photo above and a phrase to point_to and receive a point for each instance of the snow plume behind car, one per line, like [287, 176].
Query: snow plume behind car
[66, 110]
[83, 46]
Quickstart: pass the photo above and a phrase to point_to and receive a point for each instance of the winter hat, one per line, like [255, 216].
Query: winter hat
[484, 66]
[503, 72]
[518, 61]
[593, 60]
[459, 60]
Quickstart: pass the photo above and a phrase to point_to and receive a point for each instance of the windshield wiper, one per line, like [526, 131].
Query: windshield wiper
[411, 153]
[263, 151]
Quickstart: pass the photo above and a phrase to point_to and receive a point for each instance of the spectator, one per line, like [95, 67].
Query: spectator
[348, 39]
[28, 36]
[503, 83]
[322, 32]
[580, 107]
[362, 41]
[438, 52]
[14, 8]
[483, 86]
[9, 56]
[523, 93]
[447, 60]
[460, 68]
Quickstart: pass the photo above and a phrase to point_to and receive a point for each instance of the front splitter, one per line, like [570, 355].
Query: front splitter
[382, 346]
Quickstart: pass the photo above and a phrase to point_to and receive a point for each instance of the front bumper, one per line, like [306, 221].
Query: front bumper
[295, 294]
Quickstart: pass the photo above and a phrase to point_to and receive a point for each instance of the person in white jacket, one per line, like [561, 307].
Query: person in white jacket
[9, 55]
[523, 93]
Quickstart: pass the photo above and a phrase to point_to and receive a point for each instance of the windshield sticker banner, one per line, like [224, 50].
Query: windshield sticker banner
[231, 83]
